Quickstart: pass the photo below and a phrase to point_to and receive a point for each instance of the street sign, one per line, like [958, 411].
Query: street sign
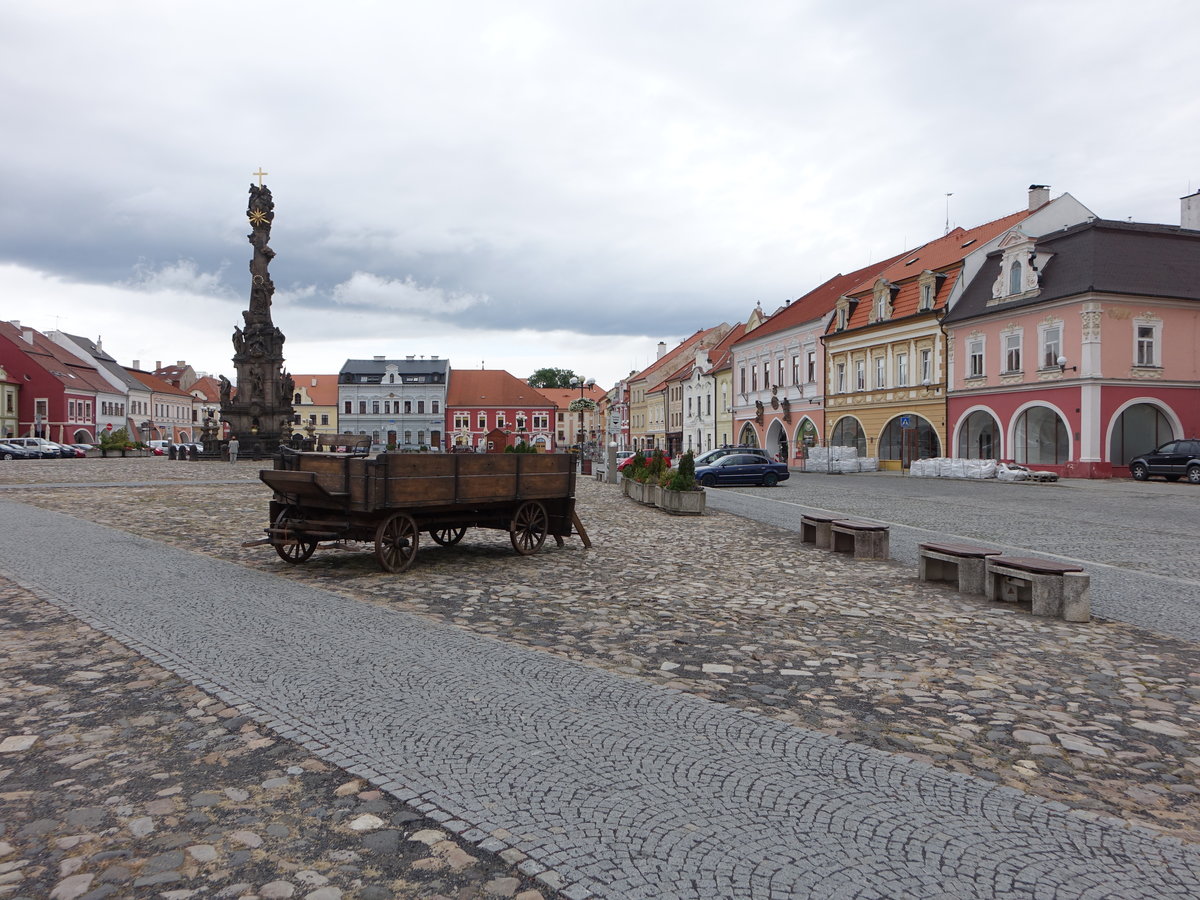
[108, 427]
[906, 422]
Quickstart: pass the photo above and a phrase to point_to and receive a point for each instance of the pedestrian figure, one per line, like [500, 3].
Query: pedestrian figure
[233, 448]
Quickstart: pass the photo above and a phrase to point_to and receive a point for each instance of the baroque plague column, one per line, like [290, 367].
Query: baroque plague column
[260, 411]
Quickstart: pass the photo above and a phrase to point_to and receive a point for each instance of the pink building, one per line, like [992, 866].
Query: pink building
[1078, 350]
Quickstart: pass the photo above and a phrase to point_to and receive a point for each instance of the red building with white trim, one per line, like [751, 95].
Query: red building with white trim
[481, 403]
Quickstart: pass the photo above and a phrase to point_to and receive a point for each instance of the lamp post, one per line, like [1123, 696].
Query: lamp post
[578, 382]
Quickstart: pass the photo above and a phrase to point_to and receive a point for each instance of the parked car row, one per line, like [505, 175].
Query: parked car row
[40, 448]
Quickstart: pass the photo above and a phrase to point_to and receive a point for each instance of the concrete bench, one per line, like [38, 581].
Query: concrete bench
[1051, 588]
[960, 564]
[866, 540]
[815, 530]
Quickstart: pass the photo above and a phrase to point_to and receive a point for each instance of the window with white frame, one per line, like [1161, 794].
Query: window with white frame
[520, 421]
[926, 367]
[743, 377]
[841, 378]
[811, 366]
[1051, 345]
[754, 378]
[927, 296]
[482, 420]
[500, 420]
[975, 358]
[766, 374]
[901, 370]
[1145, 336]
[1014, 277]
[795, 369]
[1012, 352]
[541, 421]
[860, 374]
[779, 373]
[880, 372]
[881, 306]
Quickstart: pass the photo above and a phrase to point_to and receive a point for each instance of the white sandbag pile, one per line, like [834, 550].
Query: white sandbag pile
[831, 459]
[945, 467]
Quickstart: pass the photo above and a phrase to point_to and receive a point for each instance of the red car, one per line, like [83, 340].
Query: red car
[625, 463]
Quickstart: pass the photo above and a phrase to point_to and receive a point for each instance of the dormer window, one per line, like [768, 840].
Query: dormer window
[1021, 267]
[927, 296]
[881, 308]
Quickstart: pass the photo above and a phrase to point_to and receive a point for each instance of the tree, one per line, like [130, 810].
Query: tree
[552, 378]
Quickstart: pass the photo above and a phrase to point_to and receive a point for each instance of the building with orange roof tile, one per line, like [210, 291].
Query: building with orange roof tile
[59, 392]
[779, 368]
[316, 403]
[885, 352]
[489, 409]
[648, 395]
[169, 414]
[574, 425]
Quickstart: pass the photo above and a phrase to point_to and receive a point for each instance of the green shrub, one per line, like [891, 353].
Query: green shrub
[683, 477]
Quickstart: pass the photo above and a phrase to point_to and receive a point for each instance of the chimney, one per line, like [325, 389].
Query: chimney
[27, 335]
[99, 346]
[662, 349]
[137, 364]
[157, 364]
[380, 358]
[1039, 195]
[433, 357]
[1189, 213]
[181, 364]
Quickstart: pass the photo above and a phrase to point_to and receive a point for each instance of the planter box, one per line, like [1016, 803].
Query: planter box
[650, 497]
[682, 503]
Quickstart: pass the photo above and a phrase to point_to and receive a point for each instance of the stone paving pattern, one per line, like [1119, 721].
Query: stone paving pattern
[137, 784]
[1101, 717]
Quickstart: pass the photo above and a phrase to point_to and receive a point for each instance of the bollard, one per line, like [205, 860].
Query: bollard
[1077, 597]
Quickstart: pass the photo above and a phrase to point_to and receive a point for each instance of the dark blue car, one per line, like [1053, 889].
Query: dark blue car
[742, 468]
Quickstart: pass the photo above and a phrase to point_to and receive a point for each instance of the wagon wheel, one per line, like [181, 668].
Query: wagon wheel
[448, 537]
[528, 528]
[297, 552]
[396, 541]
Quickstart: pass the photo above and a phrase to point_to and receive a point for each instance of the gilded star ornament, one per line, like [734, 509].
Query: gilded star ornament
[258, 217]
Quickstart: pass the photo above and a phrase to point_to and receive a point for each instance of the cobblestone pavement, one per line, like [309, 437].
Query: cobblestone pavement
[1102, 717]
[138, 784]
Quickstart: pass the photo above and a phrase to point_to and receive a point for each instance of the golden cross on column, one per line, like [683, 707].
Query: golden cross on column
[260, 173]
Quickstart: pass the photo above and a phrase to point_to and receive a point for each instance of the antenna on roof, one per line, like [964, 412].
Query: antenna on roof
[948, 196]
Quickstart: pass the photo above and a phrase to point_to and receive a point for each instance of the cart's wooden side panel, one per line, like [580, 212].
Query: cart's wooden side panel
[344, 477]
[544, 477]
[486, 477]
[358, 472]
[411, 479]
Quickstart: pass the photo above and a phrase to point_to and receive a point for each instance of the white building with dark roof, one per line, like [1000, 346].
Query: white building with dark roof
[394, 401]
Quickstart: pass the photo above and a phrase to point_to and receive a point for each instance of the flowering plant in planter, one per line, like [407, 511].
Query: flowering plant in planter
[656, 466]
[637, 470]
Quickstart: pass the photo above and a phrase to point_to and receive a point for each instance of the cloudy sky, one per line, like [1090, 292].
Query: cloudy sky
[528, 184]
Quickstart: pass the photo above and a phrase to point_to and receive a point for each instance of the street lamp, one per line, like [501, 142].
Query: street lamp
[577, 381]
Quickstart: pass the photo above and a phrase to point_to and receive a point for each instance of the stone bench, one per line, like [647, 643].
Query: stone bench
[866, 540]
[960, 564]
[815, 530]
[1051, 588]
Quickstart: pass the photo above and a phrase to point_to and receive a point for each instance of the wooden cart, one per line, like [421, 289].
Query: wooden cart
[394, 497]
